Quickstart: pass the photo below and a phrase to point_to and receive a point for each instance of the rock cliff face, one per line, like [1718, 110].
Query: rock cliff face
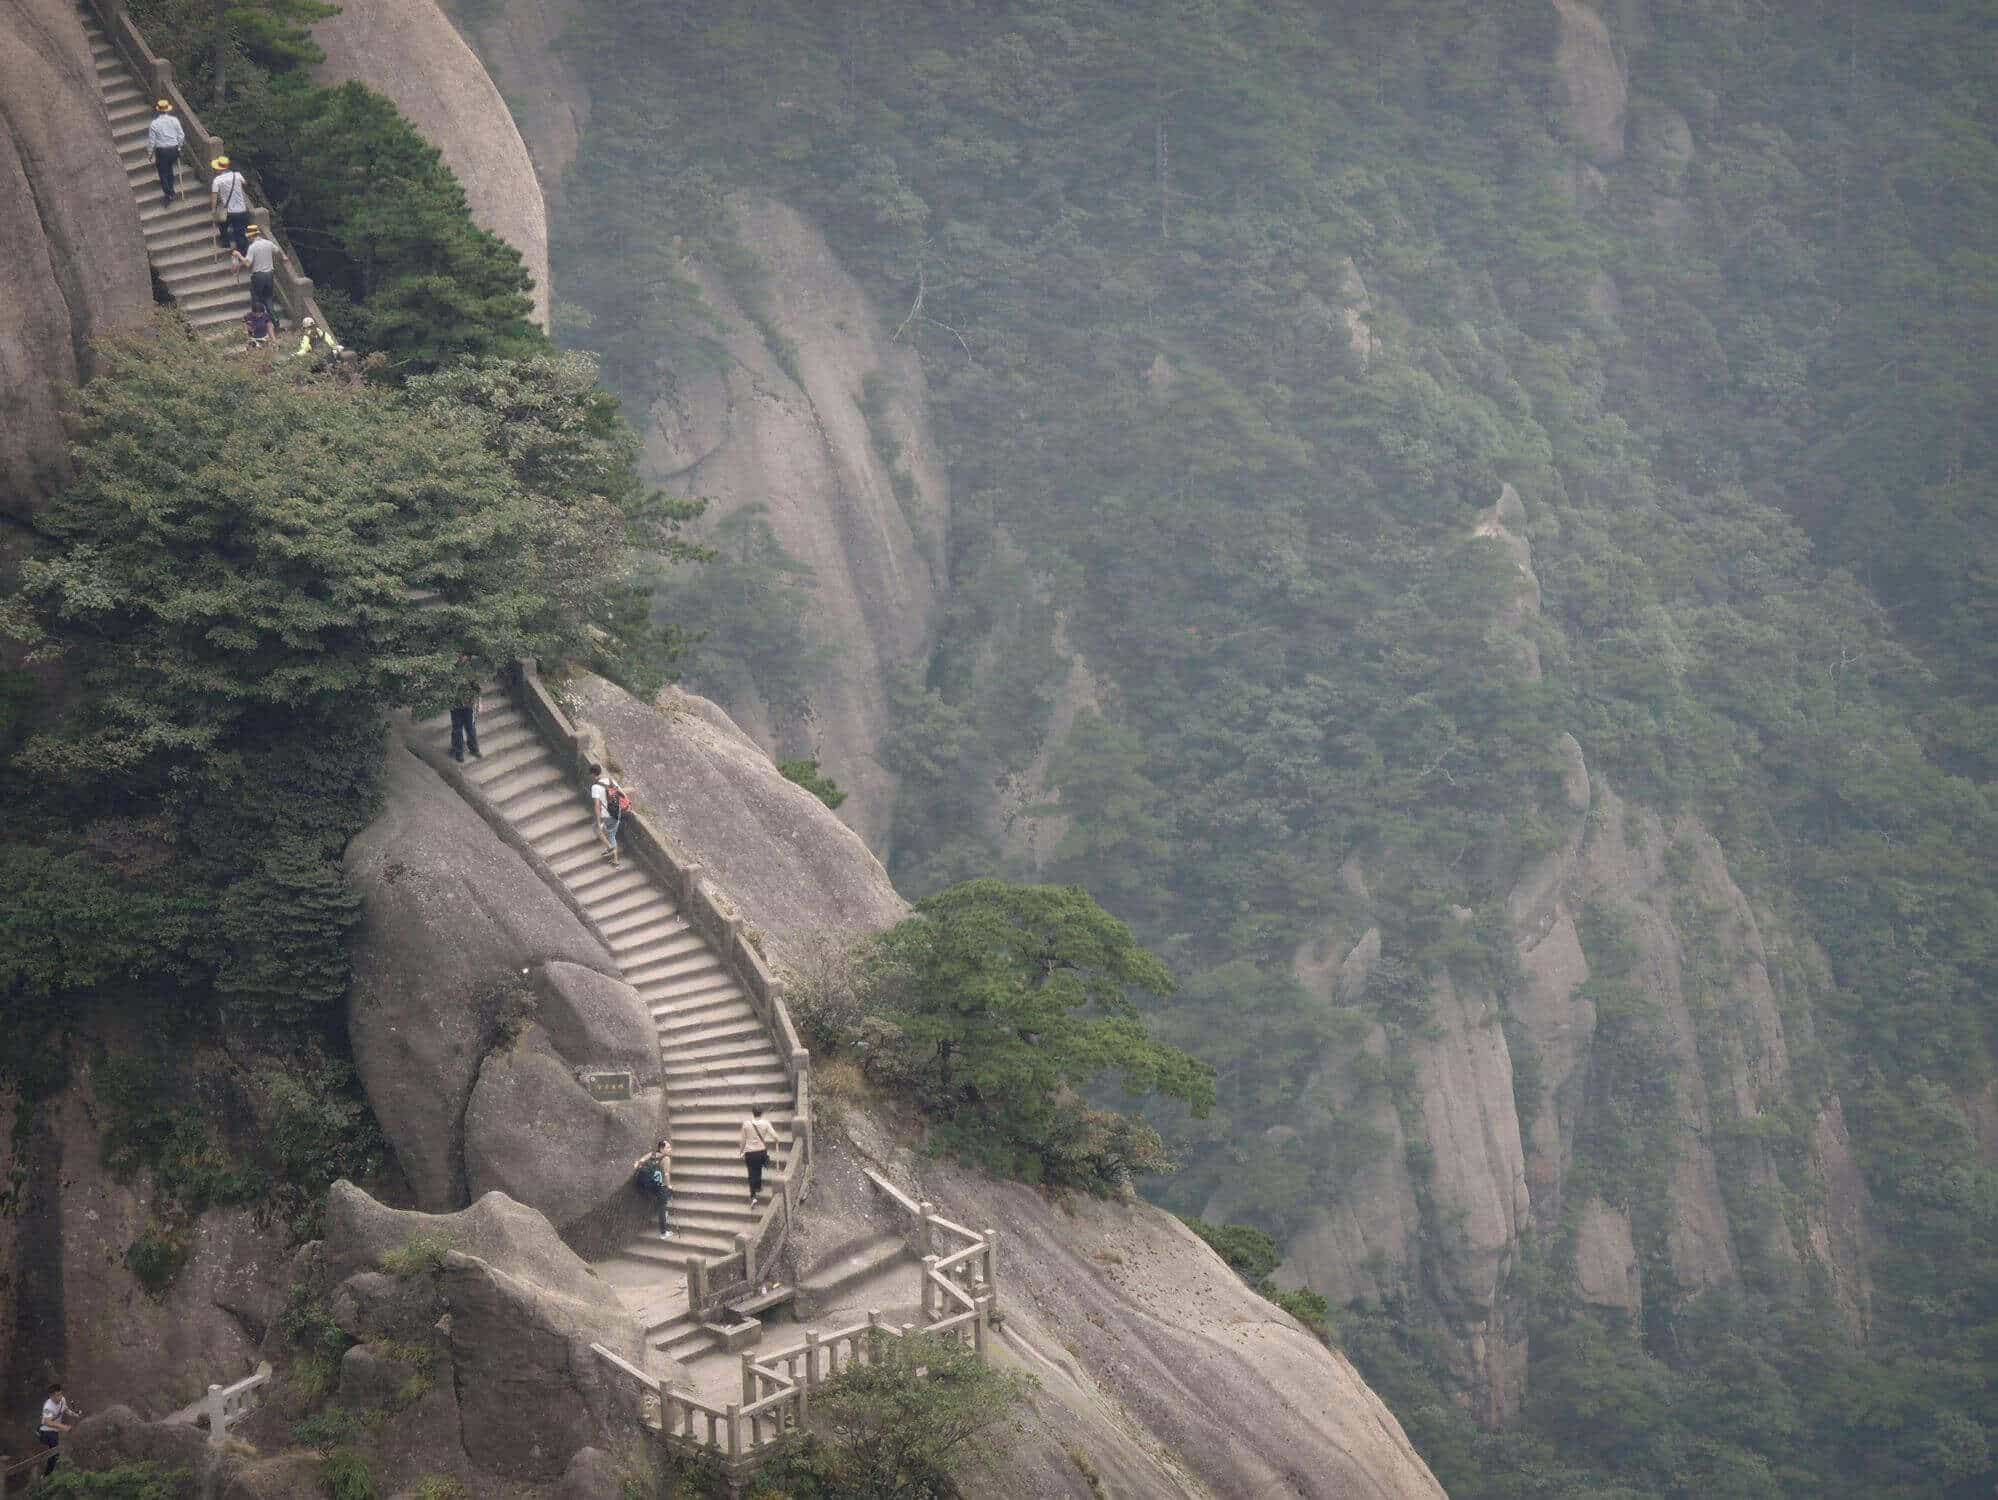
[785, 422]
[476, 994]
[80, 1313]
[550, 101]
[72, 263]
[409, 51]
[1697, 981]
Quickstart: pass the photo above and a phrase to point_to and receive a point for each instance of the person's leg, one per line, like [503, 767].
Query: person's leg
[756, 1161]
[53, 1442]
[457, 734]
[665, 1212]
[614, 826]
[471, 730]
[164, 160]
[239, 231]
[263, 288]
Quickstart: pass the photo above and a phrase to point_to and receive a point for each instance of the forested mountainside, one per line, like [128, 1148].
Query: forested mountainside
[1425, 477]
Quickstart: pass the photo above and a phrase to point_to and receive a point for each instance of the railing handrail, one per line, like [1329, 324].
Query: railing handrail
[723, 930]
[157, 74]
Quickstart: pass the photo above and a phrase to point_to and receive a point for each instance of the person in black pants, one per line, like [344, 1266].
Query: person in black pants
[55, 1422]
[164, 138]
[465, 715]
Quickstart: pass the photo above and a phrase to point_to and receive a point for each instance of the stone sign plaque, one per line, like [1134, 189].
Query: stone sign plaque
[606, 1084]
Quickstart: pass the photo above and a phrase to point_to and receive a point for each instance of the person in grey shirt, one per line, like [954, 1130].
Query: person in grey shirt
[229, 200]
[261, 258]
[164, 138]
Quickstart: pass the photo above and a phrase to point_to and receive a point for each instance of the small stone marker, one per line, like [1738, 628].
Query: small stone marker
[606, 1084]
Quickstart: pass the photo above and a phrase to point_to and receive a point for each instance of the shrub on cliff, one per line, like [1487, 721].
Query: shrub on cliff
[1012, 1000]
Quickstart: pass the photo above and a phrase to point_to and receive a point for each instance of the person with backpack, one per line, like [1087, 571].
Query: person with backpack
[759, 1139]
[229, 202]
[261, 258]
[164, 138]
[610, 804]
[465, 712]
[653, 1173]
[316, 340]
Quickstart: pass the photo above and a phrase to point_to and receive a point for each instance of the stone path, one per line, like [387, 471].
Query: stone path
[180, 236]
[718, 1057]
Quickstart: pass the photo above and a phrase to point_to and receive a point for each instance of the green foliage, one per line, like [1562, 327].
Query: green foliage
[156, 1256]
[419, 1254]
[402, 271]
[124, 1482]
[806, 773]
[151, 1120]
[344, 1475]
[1016, 997]
[317, 1342]
[1250, 1253]
[439, 1487]
[903, 1425]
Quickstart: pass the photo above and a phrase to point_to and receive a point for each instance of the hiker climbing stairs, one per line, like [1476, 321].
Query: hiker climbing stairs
[180, 236]
[717, 1056]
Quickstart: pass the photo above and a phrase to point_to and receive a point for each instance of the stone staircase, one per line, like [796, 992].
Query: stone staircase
[180, 236]
[717, 1055]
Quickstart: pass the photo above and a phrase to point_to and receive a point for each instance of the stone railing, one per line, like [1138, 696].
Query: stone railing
[778, 1385]
[156, 74]
[710, 1285]
[225, 1405]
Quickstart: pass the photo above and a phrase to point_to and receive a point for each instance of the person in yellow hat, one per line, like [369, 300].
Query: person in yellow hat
[229, 201]
[260, 257]
[164, 138]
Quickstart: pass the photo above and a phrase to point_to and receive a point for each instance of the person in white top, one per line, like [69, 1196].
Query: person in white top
[229, 202]
[759, 1139]
[164, 138]
[608, 803]
[55, 1422]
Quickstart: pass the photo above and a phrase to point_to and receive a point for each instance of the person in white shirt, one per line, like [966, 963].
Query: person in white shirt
[164, 138]
[262, 258]
[759, 1139]
[607, 802]
[229, 201]
[55, 1422]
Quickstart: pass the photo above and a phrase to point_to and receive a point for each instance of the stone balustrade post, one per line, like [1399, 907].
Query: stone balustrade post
[734, 1429]
[992, 1262]
[875, 1338]
[748, 1253]
[930, 1288]
[162, 78]
[218, 1424]
[697, 1286]
[748, 1378]
[811, 1359]
[978, 1326]
[928, 1212]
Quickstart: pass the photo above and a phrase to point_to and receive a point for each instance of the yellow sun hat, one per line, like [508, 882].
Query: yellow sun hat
[220, 164]
[164, 104]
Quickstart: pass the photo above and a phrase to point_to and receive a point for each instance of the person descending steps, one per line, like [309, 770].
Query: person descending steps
[261, 259]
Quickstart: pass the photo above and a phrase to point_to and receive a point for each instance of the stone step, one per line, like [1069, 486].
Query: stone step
[546, 811]
[510, 786]
[632, 916]
[606, 884]
[672, 1255]
[561, 848]
[679, 992]
[506, 751]
[681, 973]
[694, 1008]
[646, 953]
[704, 1124]
[721, 1053]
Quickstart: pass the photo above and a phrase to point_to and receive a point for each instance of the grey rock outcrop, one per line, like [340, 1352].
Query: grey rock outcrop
[1607, 1272]
[1155, 1361]
[781, 423]
[513, 1310]
[592, 1475]
[409, 51]
[118, 1435]
[783, 861]
[72, 262]
[550, 99]
[1592, 78]
[457, 928]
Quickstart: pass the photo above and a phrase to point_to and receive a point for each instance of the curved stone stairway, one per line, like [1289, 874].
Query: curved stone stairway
[180, 237]
[717, 1055]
